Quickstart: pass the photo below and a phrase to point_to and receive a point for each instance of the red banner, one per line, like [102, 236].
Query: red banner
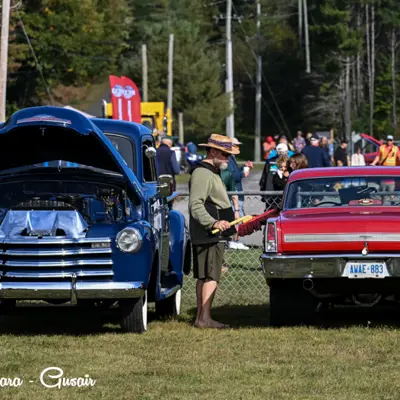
[117, 96]
[131, 104]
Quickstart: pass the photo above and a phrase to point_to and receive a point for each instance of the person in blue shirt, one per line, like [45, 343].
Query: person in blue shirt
[238, 174]
[316, 156]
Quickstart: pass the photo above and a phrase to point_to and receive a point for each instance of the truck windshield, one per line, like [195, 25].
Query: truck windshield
[125, 148]
[344, 191]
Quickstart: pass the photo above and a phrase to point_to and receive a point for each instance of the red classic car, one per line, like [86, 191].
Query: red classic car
[335, 240]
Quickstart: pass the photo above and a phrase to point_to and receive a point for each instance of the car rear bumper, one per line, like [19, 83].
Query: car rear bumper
[320, 266]
[71, 291]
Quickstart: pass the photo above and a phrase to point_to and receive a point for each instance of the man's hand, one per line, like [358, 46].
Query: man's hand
[376, 160]
[221, 225]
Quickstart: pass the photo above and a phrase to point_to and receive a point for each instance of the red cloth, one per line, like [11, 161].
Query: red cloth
[255, 224]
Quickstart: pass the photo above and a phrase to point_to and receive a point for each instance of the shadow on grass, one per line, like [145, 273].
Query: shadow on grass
[48, 320]
[74, 322]
[257, 316]
[239, 316]
[348, 316]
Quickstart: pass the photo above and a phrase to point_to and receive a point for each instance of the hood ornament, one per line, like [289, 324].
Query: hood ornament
[364, 251]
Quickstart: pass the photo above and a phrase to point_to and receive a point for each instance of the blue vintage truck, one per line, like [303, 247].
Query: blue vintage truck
[85, 218]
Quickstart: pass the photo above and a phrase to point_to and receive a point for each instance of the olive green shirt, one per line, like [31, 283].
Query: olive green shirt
[205, 183]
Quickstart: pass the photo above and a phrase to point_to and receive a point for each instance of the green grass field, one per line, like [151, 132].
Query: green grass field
[175, 361]
[348, 354]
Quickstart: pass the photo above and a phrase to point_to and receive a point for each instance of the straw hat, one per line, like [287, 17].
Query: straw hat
[221, 142]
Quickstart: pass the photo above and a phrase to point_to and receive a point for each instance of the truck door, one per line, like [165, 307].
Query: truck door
[158, 206]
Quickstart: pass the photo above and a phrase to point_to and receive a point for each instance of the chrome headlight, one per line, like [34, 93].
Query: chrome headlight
[129, 240]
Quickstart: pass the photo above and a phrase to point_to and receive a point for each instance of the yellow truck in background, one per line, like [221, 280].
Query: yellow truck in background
[154, 116]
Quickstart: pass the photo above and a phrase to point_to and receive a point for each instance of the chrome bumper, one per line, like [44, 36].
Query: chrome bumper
[320, 266]
[72, 291]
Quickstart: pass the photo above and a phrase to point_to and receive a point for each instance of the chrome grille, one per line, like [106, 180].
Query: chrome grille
[47, 258]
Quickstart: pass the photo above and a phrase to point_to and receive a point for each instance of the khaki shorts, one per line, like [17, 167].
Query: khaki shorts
[207, 260]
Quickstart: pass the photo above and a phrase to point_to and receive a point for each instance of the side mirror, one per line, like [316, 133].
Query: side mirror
[165, 185]
[150, 152]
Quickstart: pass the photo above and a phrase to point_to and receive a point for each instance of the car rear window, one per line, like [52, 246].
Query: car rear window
[343, 191]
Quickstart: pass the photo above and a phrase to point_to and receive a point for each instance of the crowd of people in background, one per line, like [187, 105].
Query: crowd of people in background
[282, 157]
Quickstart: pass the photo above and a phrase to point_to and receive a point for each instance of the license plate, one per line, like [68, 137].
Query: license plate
[365, 269]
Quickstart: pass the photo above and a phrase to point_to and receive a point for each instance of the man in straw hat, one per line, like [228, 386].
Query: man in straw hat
[209, 209]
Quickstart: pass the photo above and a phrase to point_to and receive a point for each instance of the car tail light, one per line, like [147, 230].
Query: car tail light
[270, 243]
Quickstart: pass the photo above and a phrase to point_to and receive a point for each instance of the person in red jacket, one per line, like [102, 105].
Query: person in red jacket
[268, 146]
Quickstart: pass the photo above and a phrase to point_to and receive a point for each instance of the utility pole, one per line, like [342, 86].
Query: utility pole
[181, 132]
[257, 136]
[5, 26]
[307, 41]
[170, 70]
[229, 71]
[144, 73]
[227, 125]
[300, 15]
[347, 105]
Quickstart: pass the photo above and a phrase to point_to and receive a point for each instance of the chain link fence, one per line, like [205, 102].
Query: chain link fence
[242, 279]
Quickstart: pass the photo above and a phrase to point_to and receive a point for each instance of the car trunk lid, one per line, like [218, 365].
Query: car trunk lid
[339, 232]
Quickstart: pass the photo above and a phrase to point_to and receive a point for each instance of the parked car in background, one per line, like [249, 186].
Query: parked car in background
[336, 240]
[84, 217]
[369, 157]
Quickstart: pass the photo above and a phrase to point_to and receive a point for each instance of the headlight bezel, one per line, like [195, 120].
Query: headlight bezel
[133, 231]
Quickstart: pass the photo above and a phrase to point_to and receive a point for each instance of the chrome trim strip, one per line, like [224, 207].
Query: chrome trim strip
[341, 237]
[57, 252]
[311, 257]
[35, 291]
[58, 263]
[321, 265]
[63, 290]
[109, 290]
[56, 240]
[95, 272]
[55, 274]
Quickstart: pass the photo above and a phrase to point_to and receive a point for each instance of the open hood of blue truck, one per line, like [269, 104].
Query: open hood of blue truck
[41, 134]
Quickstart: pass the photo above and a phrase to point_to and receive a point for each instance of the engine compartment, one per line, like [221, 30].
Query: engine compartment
[96, 202]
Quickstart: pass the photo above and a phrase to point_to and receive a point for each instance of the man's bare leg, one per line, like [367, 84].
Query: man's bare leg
[199, 298]
[208, 292]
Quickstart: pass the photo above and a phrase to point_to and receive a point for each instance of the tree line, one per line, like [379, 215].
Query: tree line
[59, 48]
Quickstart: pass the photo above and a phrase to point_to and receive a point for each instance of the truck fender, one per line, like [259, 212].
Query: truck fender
[178, 242]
